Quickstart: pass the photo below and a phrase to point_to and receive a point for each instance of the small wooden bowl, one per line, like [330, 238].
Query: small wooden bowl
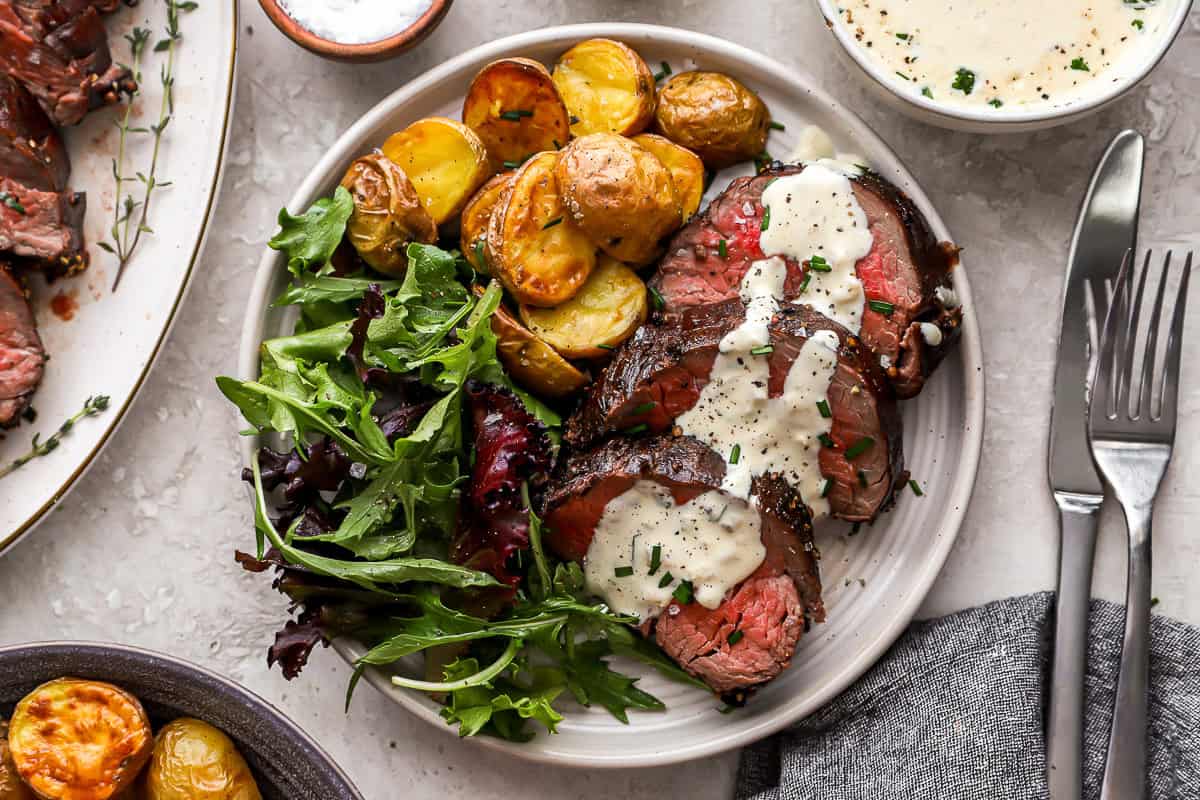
[381, 50]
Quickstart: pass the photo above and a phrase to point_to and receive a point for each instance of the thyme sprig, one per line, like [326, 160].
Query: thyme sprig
[37, 448]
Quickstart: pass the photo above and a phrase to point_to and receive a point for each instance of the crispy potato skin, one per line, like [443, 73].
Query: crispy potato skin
[11, 787]
[445, 160]
[531, 362]
[539, 255]
[686, 168]
[194, 761]
[75, 739]
[477, 215]
[607, 310]
[713, 115]
[607, 88]
[523, 88]
[619, 194]
[387, 214]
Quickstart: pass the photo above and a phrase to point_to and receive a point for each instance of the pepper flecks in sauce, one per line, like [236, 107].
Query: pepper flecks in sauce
[1005, 55]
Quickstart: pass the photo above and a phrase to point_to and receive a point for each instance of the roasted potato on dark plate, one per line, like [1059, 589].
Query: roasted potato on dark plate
[477, 215]
[516, 110]
[75, 739]
[11, 787]
[619, 194]
[387, 214]
[192, 760]
[539, 255]
[607, 310]
[713, 115]
[445, 161]
[607, 88]
[686, 168]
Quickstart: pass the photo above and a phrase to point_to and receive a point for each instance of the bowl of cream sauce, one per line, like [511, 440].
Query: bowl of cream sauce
[1003, 65]
[356, 30]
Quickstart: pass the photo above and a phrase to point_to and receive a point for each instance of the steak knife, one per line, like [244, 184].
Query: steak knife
[1107, 227]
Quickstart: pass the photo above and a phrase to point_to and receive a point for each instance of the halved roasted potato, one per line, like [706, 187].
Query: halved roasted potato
[387, 214]
[513, 106]
[75, 739]
[11, 787]
[535, 250]
[445, 160]
[477, 215]
[686, 168]
[531, 362]
[607, 88]
[194, 761]
[619, 194]
[713, 115]
[607, 310]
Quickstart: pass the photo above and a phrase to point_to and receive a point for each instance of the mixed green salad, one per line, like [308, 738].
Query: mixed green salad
[394, 499]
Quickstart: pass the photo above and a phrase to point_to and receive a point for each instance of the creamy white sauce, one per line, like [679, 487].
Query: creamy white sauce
[815, 214]
[931, 333]
[355, 21]
[947, 296]
[1006, 55]
[714, 541]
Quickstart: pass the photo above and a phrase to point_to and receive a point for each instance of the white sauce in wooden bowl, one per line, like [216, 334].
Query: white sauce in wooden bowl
[355, 21]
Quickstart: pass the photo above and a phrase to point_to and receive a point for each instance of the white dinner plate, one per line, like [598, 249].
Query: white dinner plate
[874, 581]
[111, 339]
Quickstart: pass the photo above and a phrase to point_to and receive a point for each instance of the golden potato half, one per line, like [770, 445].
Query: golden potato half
[607, 88]
[531, 362]
[607, 310]
[619, 194]
[387, 214]
[445, 161]
[686, 168]
[477, 215]
[713, 115]
[194, 761]
[74, 739]
[11, 787]
[513, 106]
[539, 255]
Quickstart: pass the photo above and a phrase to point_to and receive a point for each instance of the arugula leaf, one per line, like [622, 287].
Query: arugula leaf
[503, 708]
[309, 240]
[329, 289]
[592, 682]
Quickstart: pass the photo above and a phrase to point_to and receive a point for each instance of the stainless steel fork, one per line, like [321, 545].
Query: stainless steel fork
[1131, 428]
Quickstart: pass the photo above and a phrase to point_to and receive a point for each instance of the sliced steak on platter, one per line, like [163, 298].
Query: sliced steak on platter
[31, 151]
[42, 226]
[22, 358]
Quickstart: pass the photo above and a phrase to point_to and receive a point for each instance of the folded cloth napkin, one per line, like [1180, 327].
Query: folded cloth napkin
[956, 710]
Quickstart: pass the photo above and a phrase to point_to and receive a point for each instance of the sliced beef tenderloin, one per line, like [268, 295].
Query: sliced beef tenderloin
[31, 151]
[906, 269]
[22, 358]
[772, 608]
[42, 226]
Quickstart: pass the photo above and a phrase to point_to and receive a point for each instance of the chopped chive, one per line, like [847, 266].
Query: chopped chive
[766, 220]
[819, 264]
[765, 350]
[683, 592]
[722, 249]
[665, 580]
[776, 126]
[927, 92]
[804, 283]
[882, 306]
[12, 202]
[639, 428]
[603, 346]
[826, 440]
[655, 558]
[916, 487]
[1079, 64]
[480, 256]
[995, 102]
[663, 72]
[862, 478]
[657, 299]
[823, 407]
[516, 115]
[826, 485]
[964, 80]
[573, 120]
[644, 408]
[902, 37]
[735, 454]
[858, 448]
[1139, 24]
[735, 637]
[623, 572]
[906, 77]
[557, 146]
[552, 223]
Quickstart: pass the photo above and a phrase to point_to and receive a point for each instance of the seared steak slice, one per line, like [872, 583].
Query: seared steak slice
[661, 370]
[21, 355]
[772, 608]
[45, 226]
[31, 151]
[907, 267]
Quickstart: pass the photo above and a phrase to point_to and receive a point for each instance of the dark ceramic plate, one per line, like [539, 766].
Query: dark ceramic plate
[287, 763]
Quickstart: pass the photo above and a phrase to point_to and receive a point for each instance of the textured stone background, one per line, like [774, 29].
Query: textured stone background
[140, 551]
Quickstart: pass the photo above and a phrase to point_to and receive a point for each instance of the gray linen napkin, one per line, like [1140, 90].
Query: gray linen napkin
[955, 710]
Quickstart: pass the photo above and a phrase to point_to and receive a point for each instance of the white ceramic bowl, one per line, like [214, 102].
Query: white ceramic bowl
[874, 582]
[884, 85]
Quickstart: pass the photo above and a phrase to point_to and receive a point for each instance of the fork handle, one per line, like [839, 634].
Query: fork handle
[1125, 766]
[1064, 745]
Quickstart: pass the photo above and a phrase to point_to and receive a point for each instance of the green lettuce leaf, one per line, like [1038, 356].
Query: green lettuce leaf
[309, 240]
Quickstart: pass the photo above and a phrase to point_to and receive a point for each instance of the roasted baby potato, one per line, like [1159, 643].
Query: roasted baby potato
[194, 761]
[445, 161]
[539, 255]
[686, 168]
[513, 106]
[619, 194]
[477, 215]
[11, 787]
[607, 310]
[713, 115]
[387, 214]
[75, 739]
[531, 362]
[607, 88]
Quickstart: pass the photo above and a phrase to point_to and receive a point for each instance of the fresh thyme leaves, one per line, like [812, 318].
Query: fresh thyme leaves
[964, 80]
[12, 202]
[39, 447]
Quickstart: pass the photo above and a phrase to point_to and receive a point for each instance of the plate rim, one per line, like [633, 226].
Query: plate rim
[7, 541]
[970, 346]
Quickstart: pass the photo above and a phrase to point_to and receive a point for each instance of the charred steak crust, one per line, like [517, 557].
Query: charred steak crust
[22, 358]
[31, 151]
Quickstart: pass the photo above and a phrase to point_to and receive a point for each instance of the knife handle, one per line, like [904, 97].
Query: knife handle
[1064, 747]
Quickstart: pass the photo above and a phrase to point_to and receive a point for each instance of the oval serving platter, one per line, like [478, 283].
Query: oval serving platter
[874, 581]
[107, 341]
